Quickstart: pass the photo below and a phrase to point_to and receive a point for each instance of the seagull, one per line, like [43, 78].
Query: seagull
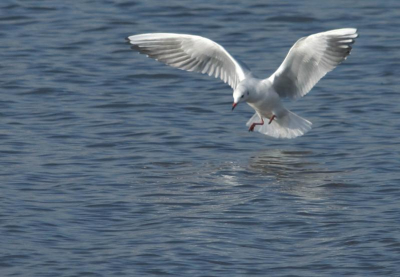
[309, 59]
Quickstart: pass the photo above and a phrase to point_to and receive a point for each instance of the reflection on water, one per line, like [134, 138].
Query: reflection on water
[281, 164]
[295, 172]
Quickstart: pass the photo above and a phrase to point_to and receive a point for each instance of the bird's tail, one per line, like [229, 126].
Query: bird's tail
[287, 125]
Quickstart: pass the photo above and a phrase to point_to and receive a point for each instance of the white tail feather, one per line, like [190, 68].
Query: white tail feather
[288, 125]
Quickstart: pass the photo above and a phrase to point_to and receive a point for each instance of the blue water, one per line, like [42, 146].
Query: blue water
[115, 165]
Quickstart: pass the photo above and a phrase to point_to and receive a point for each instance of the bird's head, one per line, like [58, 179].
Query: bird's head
[240, 94]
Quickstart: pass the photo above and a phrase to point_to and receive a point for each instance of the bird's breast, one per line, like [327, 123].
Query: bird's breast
[266, 104]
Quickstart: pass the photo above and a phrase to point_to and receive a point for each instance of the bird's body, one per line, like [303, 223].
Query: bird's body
[307, 62]
[279, 121]
[262, 97]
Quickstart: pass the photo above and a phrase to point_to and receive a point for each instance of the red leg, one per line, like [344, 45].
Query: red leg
[251, 129]
[272, 118]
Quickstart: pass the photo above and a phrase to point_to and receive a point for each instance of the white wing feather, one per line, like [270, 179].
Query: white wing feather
[310, 59]
[191, 53]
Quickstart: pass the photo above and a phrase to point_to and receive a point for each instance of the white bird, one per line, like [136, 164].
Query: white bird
[307, 62]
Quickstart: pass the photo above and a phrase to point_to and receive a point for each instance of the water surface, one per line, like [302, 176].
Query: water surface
[115, 165]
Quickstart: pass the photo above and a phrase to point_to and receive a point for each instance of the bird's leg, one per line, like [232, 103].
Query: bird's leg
[251, 129]
[272, 118]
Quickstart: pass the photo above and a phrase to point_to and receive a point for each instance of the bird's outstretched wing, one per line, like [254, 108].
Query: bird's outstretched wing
[310, 59]
[191, 53]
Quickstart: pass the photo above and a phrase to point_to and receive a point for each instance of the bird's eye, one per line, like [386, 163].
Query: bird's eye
[242, 96]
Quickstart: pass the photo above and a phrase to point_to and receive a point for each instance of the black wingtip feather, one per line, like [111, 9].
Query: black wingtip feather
[135, 47]
[127, 40]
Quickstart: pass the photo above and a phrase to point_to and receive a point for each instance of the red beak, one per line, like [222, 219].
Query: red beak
[234, 105]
